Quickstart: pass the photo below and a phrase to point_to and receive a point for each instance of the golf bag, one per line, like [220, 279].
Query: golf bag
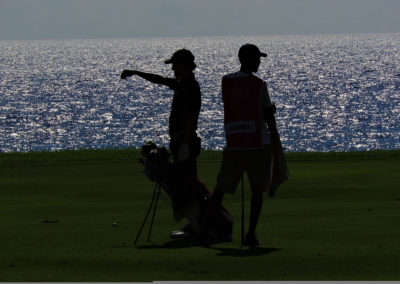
[189, 203]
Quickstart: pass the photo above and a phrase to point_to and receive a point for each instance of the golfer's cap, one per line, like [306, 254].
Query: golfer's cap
[250, 50]
[181, 56]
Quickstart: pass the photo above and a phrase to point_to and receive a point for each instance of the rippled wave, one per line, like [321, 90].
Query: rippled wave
[333, 93]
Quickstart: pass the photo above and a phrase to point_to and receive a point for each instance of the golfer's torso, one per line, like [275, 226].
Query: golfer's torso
[186, 102]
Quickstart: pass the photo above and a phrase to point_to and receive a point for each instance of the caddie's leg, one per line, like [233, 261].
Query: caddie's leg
[211, 211]
[215, 204]
[258, 173]
[255, 210]
[232, 169]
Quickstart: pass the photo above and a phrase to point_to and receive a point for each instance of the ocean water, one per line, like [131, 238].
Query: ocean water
[333, 92]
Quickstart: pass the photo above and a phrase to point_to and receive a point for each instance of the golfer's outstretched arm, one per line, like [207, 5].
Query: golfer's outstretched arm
[153, 78]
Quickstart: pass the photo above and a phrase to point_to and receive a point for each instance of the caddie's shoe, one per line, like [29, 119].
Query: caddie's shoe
[251, 241]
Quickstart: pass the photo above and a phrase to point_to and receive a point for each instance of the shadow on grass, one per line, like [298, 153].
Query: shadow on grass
[235, 252]
[245, 252]
[174, 244]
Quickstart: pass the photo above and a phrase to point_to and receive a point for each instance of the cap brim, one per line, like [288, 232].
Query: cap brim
[169, 61]
[262, 54]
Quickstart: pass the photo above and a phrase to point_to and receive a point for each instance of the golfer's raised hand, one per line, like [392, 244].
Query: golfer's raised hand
[127, 73]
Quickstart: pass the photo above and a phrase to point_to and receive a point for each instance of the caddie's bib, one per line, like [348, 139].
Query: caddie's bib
[242, 112]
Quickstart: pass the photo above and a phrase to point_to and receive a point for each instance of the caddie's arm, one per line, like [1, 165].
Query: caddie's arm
[268, 111]
[153, 78]
[269, 118]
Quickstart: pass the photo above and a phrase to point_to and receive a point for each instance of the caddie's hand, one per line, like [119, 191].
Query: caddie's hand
[273, 108]
[274, 134]
[126, 73]
[183, 153]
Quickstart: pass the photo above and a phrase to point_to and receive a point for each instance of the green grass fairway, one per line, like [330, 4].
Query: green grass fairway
[338, 218]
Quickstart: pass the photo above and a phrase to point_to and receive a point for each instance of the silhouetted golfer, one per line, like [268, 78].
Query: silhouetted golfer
[247, 109]
[186, 104]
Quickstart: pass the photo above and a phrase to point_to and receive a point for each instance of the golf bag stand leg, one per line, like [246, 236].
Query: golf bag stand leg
[148, 211]
[154, 212]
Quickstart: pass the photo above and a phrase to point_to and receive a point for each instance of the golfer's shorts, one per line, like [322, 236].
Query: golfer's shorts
[256, 163]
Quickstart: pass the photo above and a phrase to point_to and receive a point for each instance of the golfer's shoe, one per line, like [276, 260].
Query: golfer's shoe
[180, 235]
[251, 241]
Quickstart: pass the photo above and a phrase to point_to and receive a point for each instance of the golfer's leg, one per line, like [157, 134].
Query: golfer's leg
[211, 212]
[188, 179]
[214, 205]
[192, 169]
[227, 181]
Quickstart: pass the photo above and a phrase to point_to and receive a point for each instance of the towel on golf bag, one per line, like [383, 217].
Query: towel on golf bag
[190, 203]
[280, 172]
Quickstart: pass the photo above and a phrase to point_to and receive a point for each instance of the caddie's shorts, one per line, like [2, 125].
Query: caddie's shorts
[256, 162]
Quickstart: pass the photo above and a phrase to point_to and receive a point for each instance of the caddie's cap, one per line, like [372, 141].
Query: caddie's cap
[250, 50]
[181, 56]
